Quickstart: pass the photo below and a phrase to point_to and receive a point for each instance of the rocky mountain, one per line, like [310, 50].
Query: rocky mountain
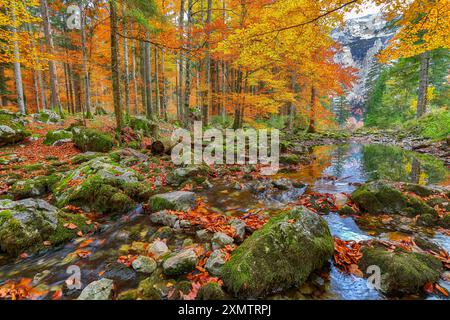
[361, 38]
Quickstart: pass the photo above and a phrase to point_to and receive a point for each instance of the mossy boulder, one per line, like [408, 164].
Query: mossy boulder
[402, 272]
[280, 255]
[12, 128]
[210, 291]
[48, 117]
[156, 287]
[180, 263]
[26, 224]
[94, 140]
[178, 200]
[103, 186]
[195, 174]
[34, 187]
[85, 157]
[380, 197]
[57, 135]
[143, 125]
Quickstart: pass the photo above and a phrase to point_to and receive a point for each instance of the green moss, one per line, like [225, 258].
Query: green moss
[402, 272]
[81, 158]
[53, 136]
[211, 291]
[418, 189]
[381, 198]
[63, 234]
[445, 221]
[156, 204]
[346, 211]
[92, 140]
[182, 287]
[143, 125]
[280, 255]
[128, 295]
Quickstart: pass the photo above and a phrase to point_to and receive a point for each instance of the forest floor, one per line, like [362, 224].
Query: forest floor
[187, 247]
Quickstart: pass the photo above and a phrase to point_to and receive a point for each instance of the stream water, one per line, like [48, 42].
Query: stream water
[348, 165]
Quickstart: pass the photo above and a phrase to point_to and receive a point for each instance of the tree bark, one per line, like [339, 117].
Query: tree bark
[87, 91]
[125, 62]
[422, 99]
[164, 84]
[158, 96]
[17, 68]
[148, 79]
[133, 76]
[115, 68]
[54, 96]
[180, 65]
[312, 111]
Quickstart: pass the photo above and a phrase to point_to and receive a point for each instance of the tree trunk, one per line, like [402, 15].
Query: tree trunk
[148, 79]
[187, 85]
[312, 111]
[54, 96]
[206, 101]
[164, 86]
[158, 96]
[180, 64]
[3, 88]
[17, 68]
[133, 76]
[115, 68]
[125, 62]
[143, 76]
[87, 91]
[422, 99]
[291, 113]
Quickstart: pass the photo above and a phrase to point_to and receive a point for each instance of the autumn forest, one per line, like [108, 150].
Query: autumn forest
[92, 90]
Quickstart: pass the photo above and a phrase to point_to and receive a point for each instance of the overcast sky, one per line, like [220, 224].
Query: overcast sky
[368, 8]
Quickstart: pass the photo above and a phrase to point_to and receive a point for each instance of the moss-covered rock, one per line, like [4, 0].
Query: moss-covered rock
[57, 135]
[101, 185]
[179, 200]
[12, 128]
[380, 197]
[34, 187]
[195, 174]
[180, 263]
[49, 117]
[26, 224]
[280, 255]
[143, 125]
[85, 157]
[402, 272]
[156, 287]
[210, 291]
[92, 140]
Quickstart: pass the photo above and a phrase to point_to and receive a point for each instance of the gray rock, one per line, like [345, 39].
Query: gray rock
[157, 249]
[239, 226]
[283, 184]
[98, 290]
[144, 264]
[25, 223]
[164, 217]
[178, 200]
[220, 240]
[204, 235]
[215, 262]
[180, 263]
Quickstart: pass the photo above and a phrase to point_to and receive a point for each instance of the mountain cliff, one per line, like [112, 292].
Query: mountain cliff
[361, 38]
